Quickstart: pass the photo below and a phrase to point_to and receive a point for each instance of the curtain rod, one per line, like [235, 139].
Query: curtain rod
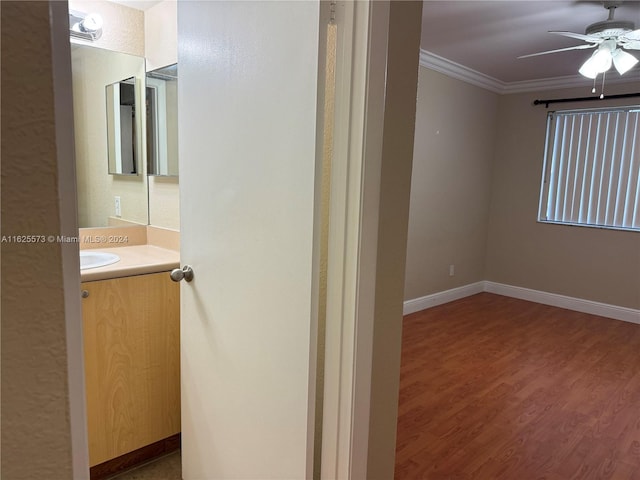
[546, 103]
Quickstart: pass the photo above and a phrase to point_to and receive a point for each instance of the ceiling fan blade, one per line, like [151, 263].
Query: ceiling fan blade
[579, 36]
[635, 35]
[631, 45]
[577, 47]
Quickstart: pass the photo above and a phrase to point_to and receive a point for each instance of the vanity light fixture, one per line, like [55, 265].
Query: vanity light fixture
[87, 26]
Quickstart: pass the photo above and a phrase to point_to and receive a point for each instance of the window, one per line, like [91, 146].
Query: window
[591, 172]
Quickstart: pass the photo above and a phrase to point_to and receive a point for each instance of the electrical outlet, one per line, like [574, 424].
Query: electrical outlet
[118, 207]
[452, 270]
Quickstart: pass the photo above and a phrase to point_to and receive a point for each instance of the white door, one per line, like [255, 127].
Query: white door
[247, 113]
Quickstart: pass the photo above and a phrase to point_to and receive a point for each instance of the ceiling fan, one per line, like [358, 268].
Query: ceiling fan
[611, 38]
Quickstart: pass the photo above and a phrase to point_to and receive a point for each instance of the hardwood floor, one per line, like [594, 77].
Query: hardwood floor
[498, 388]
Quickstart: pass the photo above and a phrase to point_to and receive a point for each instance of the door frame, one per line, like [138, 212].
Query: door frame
[354, 212]
[350, 339]
[62, 93]
[375, 124]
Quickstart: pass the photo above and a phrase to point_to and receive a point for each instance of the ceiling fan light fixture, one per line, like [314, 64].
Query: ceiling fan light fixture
[599, 62]
[623, 61]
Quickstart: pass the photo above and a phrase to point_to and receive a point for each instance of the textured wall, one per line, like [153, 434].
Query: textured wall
[164, 202]
[36, 419]
[450, 184]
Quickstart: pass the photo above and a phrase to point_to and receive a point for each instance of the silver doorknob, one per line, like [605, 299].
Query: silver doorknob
[185, 272]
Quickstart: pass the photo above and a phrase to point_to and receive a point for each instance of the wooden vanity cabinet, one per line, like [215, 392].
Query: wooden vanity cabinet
[132, 363]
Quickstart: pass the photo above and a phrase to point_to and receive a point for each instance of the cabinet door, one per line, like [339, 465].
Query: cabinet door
[132, 363]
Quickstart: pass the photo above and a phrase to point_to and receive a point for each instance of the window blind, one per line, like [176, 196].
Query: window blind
[591, 174]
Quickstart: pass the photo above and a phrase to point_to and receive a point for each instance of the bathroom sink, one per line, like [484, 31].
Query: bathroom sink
[89, 259]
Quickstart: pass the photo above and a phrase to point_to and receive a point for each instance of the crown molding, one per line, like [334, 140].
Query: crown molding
[460, 72]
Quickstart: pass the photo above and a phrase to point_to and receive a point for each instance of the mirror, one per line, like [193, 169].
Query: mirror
[121, 127]
[162, 121]
[104, 199]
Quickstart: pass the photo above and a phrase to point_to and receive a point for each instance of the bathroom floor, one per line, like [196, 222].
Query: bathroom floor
[165, 468]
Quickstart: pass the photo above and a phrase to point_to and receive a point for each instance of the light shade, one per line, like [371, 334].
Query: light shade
[623, 61]
[599, 62]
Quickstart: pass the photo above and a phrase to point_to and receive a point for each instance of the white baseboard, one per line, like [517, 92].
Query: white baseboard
[577, 304]
[428, 301]
[571, 303]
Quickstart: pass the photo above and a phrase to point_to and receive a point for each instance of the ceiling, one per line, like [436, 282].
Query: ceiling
[137, 4]
[488, 36]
